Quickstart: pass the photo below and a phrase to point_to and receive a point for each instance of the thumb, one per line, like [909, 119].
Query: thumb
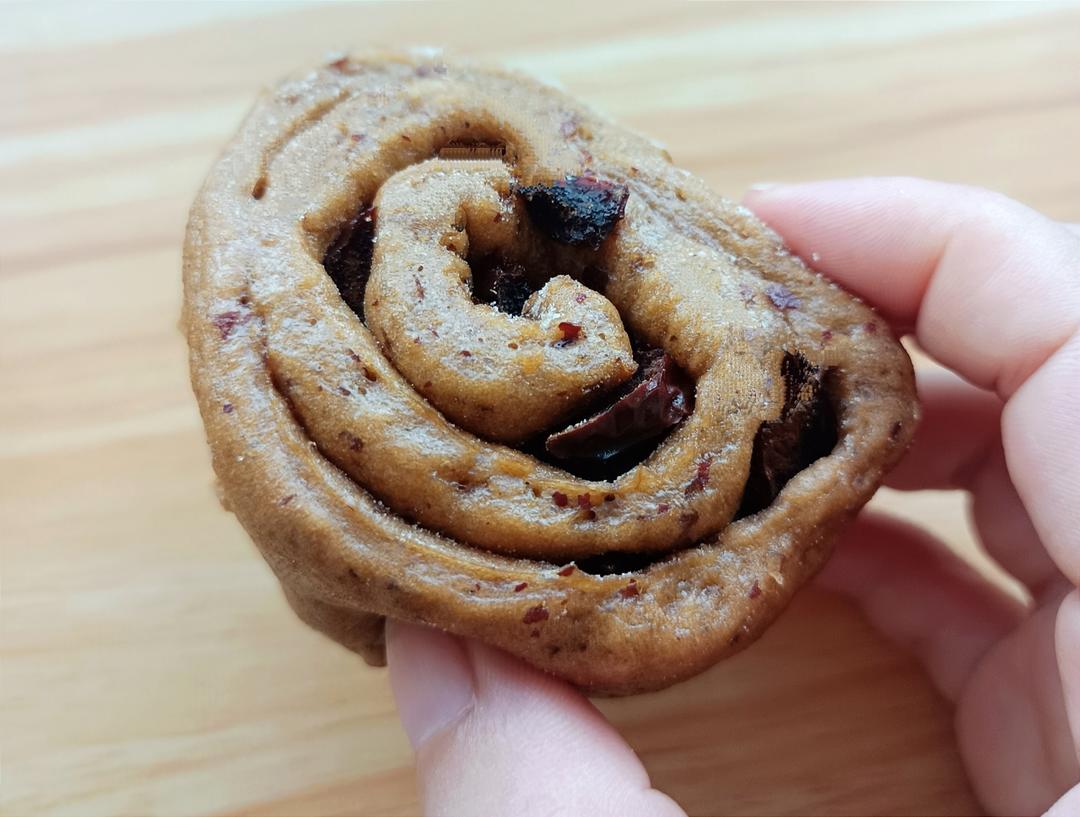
[493, 736]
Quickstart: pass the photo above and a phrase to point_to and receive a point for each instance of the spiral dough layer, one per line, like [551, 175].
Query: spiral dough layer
[470, 355]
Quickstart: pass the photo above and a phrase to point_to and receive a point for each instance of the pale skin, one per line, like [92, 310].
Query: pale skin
[990, 289]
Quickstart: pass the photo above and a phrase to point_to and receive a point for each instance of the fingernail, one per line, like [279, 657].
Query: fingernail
[761, 187]
[432, 679]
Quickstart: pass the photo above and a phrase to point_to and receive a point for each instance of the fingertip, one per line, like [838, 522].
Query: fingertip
[554, 707]
[1068, 805]
[960, 426]
[1067, 640]
[496, 736]
[789, 199]
[431, 676]
[759, 188]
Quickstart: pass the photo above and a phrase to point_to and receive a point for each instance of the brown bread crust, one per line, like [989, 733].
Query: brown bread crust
[370, 460]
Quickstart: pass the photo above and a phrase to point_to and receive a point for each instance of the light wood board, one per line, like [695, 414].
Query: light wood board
[150, 664]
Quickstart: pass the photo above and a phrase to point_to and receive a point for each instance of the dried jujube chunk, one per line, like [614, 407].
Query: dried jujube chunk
[658, 397]
[577, 209]
[804, 433]
[348, 258]
[501, 283]
[511, 289]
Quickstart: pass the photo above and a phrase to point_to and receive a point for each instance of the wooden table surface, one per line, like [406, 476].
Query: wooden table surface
[150, 664]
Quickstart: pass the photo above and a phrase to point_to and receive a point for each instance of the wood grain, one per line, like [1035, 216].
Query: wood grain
[150, 664]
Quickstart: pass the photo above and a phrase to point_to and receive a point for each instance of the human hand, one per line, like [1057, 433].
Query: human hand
[991, 290]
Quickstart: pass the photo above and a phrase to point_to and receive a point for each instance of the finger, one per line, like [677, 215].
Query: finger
[495, 737]
[1068, 657]
[1042, 447]
[922, 595]
[991, 284]
[960, 424]
[1068, 805]
[1011, 723]
[977, 647]
[1005, 529]
[994, 290]
[958, 446]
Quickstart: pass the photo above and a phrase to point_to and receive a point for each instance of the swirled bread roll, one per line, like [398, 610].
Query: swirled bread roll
[470, 355]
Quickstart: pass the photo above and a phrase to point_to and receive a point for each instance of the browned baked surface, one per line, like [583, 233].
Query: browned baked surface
[367, 449]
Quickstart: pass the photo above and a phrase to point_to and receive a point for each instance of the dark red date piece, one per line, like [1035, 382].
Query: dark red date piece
[577, 210]
[658, 397]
